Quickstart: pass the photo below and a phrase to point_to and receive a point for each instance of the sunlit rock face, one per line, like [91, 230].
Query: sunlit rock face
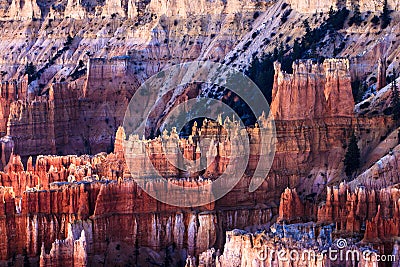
[68, 191]
[90, 57]
[156, 33]
[313, 91]
[355, 211]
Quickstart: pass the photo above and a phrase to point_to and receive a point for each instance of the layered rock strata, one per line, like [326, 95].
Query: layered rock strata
[74, 118]
[58, 191]
[372, 213]
[364, 222]
[313, 91]
[298, 244]
[67, 209]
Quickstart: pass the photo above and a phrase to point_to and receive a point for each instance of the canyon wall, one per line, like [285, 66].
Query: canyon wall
[80, 117]
[63, 190]
[365, 211]
[367, 203]
[31, 126]
[366, 219]
[155, 32]
[75, 118]
[73, 209]
[314, 117]
[10, 92]
[88, 209]
[313, 6]
[132, 9]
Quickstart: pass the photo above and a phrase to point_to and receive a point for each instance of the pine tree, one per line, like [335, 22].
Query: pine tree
[361, 91]
[26, 257]
[306, 25]
[262, 73]
[385, 16]
[395, 100]
[356, 19]
[352, 157]
[69, 40]
[30, 70]
[297, 49]
[168, 258]
[137, 251]
[331, 11]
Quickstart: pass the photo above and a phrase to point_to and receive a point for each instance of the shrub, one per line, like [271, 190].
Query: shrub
[285, 16]
[375, 20]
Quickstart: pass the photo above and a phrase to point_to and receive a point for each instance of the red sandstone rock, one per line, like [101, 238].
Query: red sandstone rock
[290, 208]
[350, 211]
[313, 91]
[122, 205]
[119, 211]
[41, 214]
[31, 125]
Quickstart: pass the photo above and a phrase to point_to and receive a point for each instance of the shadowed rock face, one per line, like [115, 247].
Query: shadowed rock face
[74, 118]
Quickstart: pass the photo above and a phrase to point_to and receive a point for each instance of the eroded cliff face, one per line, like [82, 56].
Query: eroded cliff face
[314, 114]
[75, 118]
[56, 192]
[298, 244]
[356, 209]
[135, 39]
[155, 33]
[367, 219]
[77, 209]
[90, 57]
[359, 206]
[313, 91]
